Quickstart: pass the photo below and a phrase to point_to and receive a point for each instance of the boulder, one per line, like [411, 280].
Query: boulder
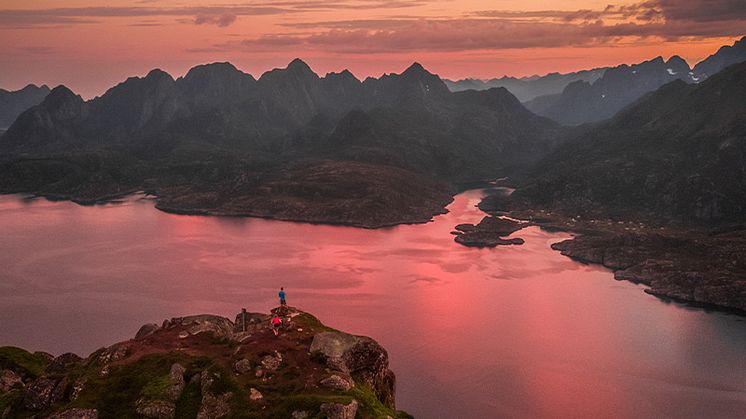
[299, 414]
[359, 356]
[253, 321]
[335, 382]
[339, 411]
[78, 386]
[38, 395]
[76, 414]
[242, 366]
[213, 406]
[61, 391]
[146, 329]
[220, 327]
[255, 395]
[177, 382]
[272, 362]
[62, 363]
[9, 379]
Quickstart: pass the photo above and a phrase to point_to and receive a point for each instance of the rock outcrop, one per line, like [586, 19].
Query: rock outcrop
[490, 232]
[208, 367]
[360, 357]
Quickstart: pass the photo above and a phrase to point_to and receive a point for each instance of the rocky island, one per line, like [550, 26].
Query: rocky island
[208, 366]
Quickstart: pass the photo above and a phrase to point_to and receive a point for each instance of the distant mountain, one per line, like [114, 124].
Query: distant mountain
[582, 102]
[528, 88]
[217, 140]
[591, 101]
[12, 103]
[724, 57]
[678, 154]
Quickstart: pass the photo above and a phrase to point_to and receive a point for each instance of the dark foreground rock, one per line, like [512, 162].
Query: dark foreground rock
[207, 366]
[490, 232]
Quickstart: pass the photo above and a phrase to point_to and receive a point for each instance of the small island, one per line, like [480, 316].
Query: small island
[207, 366]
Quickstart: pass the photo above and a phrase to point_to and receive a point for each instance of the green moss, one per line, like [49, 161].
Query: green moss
[310, 323]
[189, 402]
[157, 388]
[22, 361]
[370, 407]
[116, 394]
[285, 406]
[11, 398]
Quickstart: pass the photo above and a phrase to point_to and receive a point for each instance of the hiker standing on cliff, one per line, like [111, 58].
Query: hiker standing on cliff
[282, 297]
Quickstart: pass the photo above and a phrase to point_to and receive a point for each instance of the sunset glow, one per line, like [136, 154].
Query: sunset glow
[91, 45]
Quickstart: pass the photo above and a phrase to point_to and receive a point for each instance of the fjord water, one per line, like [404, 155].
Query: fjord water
[508, 332]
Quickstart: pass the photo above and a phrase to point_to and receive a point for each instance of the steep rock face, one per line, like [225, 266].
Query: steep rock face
[679, 154]
[215, 85]
[414, 86]
[136, 106]
[13, 103]
[53, 125]
[295, 89]
[724, 57]
[582, 102]
[343, 90]
[361, 357]
[206, 367]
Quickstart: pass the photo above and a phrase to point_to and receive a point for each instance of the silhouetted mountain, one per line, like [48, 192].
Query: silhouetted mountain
[52, 126]
[218, 133]
[582, 102]
[677, 154]
[724, 57]
[12, 103]
[212, 85]
[528, 88]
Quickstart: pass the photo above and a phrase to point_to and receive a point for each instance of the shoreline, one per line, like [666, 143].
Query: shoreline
[117, 198]
[659, 270]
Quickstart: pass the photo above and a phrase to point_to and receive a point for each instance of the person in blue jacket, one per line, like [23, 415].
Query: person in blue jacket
[282, 297]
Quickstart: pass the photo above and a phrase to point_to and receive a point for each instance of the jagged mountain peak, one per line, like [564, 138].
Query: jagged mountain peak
[214, 69]
[299, 65]
[60, 94]
[297, 69]
[416, 69]
[342, 75]
[158, 74]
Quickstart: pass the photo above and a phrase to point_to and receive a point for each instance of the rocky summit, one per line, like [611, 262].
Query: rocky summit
[205, 367]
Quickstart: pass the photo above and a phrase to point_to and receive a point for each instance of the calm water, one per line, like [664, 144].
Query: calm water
[509, 332]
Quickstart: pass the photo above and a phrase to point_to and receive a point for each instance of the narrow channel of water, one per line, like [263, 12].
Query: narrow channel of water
[517, 331]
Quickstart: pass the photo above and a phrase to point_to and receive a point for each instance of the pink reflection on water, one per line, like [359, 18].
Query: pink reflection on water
[517, 331]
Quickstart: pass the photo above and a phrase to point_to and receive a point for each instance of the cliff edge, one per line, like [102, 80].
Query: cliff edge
[208, 366]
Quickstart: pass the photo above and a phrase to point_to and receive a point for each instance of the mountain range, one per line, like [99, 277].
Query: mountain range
[381, 151]
[598, 94]
[528, 88]
[677, 154]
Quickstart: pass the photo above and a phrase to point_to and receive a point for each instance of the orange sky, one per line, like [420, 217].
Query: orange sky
[91, 45]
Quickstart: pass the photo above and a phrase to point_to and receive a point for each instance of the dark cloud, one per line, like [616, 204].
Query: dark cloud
[221, 15]
[222, 20]
[499, 29]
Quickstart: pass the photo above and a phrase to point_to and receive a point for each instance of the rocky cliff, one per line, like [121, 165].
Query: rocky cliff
[207, 366]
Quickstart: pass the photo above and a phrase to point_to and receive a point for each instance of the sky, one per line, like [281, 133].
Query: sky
[90, 46]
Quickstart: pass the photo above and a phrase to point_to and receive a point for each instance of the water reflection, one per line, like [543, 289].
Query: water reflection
[517, 331]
